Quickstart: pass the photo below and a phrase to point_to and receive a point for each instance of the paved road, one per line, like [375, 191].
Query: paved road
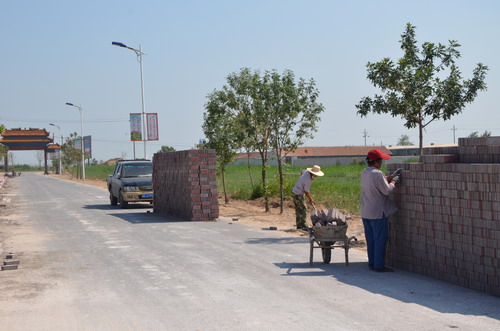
[89, 266]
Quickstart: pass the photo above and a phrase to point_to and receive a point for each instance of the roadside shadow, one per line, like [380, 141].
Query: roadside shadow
[148, 217]
[401, 285]
[109, 207]
[273, 241]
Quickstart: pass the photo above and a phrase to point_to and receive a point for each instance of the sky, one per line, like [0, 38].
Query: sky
[58, 51]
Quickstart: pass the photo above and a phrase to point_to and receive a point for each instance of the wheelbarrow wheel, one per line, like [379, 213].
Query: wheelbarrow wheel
[327, 251]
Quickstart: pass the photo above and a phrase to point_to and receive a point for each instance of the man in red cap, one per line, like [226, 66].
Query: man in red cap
[375, 208]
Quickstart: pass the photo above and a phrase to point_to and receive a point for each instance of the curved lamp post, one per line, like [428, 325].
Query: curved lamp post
[60, 150]
[139, 54]
[81, 133]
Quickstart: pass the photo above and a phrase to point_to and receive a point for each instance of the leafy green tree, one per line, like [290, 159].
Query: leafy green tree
[166, 148]
[221, 132]
[246, 95]
[404, 140]
[3, 149]
[71, 157]
[294, 114]
[423, 86]
[476, 134]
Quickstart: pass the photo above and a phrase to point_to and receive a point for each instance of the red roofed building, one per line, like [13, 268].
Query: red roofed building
[322, 156]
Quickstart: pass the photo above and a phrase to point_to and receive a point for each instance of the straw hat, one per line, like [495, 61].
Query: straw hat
[316, 170]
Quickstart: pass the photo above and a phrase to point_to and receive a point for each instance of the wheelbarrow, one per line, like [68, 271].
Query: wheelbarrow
[328, 236]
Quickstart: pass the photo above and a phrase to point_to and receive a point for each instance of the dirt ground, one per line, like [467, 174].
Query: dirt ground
[252, 212]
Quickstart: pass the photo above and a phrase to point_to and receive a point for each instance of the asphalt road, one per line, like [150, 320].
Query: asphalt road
[88, 266]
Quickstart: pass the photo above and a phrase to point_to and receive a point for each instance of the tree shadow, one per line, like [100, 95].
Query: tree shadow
[403, 286]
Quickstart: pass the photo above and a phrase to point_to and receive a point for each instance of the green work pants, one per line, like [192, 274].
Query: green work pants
[300, 211]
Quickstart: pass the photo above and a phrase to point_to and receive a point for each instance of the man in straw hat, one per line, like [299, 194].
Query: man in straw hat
[302, 188]
[375, 208]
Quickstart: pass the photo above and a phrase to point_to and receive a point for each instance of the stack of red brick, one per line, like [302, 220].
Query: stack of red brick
[185, 184]
[448, 223]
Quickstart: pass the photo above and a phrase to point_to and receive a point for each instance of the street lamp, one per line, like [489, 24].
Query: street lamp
[60, 150]
[81, 133]
[139, 54]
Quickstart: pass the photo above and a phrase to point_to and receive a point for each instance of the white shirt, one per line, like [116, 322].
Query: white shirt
[375, 202]
[303, 185]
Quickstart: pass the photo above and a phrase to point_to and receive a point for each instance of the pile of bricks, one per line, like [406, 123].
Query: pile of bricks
[185, 185]
[448, 223]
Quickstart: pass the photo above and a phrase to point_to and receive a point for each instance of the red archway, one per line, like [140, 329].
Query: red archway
[32, 139]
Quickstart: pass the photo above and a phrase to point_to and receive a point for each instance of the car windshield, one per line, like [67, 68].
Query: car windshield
[137, 170]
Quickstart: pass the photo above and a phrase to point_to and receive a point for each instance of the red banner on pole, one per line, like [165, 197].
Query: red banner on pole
[152, 123]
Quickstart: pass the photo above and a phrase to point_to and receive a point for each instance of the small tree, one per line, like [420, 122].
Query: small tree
[221, 131]
[3, 149]
[476, 134]
[404, 140]
[166, 148]
[294, 114]
[71, 156]
[415, 87]
[253, 118]
[40, 157]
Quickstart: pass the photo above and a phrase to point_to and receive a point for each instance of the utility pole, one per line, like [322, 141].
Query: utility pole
[365, 134]
[454, 129]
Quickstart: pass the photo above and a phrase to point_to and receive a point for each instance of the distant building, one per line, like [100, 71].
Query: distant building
[404, 153]
[322, 156]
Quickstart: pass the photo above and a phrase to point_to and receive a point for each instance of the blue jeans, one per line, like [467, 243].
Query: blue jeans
[376, 233]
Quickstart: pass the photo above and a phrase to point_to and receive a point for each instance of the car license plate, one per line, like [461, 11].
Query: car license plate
[147, 195]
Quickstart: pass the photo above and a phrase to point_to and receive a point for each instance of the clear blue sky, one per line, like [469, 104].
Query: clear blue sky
[59, 51]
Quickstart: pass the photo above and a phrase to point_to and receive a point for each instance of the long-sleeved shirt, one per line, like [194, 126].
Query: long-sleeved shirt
[303, 185]
[375, 202]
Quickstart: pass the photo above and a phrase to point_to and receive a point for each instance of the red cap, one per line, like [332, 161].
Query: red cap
[375, 154]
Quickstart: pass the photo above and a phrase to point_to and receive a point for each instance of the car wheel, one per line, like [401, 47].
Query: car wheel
[123, 204]
[113, 200]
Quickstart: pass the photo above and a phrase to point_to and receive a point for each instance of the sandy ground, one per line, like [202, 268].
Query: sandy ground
[252, 212]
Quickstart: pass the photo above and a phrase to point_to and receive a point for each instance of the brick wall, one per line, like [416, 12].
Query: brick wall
[448, 223]
[185, 184]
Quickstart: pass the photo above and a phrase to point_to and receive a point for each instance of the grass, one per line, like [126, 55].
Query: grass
[339, 188]
[94, 171]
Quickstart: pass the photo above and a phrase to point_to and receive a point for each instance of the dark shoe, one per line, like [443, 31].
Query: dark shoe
[371, 268]
[384, 270]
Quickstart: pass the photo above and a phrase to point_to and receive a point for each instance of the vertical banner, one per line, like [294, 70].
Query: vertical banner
[135, 127]
[152, 123]
[87, 146]
[77, 144]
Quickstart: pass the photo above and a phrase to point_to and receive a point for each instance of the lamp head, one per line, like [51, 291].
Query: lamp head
[116, 43]
[70, 104]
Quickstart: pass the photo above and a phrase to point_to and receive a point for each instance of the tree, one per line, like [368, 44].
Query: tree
[71, 156]
[220, 130]
[476, 134]
[294, 114]
[40, 157]
[416, 87]
[253, 117]
[166, 148]
[3, 149]
[404, 140]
